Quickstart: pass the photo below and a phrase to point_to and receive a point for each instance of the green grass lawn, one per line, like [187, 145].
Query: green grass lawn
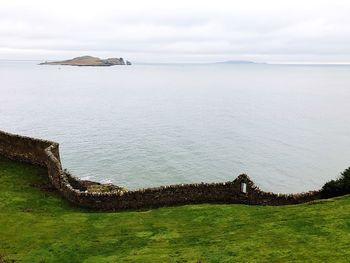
[37, 225]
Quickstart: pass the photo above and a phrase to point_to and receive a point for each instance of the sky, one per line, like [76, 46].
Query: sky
[190, 31]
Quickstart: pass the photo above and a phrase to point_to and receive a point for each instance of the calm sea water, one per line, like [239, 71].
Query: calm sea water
[287, 127]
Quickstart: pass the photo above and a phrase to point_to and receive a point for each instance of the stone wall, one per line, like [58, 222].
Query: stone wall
[26, 149]
[46, 153]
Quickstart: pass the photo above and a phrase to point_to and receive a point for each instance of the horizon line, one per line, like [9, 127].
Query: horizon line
[218, 62]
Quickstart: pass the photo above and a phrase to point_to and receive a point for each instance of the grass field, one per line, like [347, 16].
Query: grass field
[37, 225]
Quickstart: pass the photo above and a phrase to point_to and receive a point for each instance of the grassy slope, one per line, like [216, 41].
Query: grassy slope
[85, 60]
[38, 226]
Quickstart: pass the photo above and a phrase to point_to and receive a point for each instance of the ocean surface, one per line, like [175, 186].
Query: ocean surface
[286, 126]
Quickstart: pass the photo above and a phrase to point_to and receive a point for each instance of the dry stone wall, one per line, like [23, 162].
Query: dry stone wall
[46, 153]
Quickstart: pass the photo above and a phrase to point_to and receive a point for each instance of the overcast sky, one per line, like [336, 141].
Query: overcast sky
[177, 31]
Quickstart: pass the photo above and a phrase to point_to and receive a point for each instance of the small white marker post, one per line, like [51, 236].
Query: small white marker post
[243, 187]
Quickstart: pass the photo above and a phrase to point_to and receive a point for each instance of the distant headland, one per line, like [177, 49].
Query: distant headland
[89, 61]
[239, 62]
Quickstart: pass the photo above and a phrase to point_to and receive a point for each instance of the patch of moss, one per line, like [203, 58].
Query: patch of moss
[103, 188]
[90, 186]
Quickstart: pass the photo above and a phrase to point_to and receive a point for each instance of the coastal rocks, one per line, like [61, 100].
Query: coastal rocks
[114, 61]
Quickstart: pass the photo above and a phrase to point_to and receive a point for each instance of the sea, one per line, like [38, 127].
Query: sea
[286, 126]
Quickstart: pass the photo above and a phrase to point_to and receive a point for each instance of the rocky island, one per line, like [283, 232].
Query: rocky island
[89, 61]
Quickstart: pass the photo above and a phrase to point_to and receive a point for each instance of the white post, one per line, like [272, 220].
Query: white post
[243, 187]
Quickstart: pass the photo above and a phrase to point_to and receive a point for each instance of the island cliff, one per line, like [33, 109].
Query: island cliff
[89, 61]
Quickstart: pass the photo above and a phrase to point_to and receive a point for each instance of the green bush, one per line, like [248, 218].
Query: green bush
[338, 187]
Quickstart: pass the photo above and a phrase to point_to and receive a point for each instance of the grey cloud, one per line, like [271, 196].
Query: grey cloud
[295, 31]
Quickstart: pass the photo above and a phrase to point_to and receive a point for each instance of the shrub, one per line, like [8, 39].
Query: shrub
[340, 186]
